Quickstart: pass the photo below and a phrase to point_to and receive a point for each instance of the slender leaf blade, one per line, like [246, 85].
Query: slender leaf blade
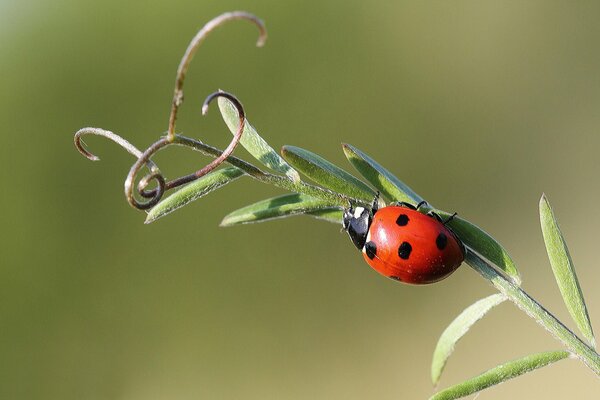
[330, 215]
[457, 329]
[254, 143]
[564, 271]
[326, 174]
[280, 207]
[193, 191]
[388, 184]
[500, 374]
[481, 242]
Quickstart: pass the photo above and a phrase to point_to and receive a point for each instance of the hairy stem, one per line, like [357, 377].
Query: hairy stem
[536, 311]
[282, 182]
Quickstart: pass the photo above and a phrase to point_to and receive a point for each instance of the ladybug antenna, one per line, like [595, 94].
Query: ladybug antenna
[421, 204]
[450, 218]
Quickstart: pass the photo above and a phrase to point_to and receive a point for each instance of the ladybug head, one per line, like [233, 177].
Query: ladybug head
[357, 222]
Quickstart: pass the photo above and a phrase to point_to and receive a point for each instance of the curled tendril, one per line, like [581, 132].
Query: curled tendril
[191, 50]
[156, 194]
[236, 138]
[155, 173]
[131, 149]
[144, 158]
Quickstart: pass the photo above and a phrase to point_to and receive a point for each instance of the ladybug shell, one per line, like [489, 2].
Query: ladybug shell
[411, 247]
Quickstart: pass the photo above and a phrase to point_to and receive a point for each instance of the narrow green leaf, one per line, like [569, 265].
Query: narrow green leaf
[193, 191]
[501, 373]
[326, 174]
[254, 143]
[390, 186]
[481, 242]
[330, 215]
[279, 207]
[457, 329]
[564, 271]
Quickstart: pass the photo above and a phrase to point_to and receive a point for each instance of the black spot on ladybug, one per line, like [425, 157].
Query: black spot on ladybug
[404, 250]
[402, 220]
[396, 278]
[371, 249]
[441, 241]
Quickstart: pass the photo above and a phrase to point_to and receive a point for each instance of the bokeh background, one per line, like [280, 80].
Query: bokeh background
[479, 106]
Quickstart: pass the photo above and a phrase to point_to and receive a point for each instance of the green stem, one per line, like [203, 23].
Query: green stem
[517, 295]
[282, 182]
[535, 310]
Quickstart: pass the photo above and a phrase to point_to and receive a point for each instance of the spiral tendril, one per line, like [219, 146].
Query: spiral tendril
[154, 195]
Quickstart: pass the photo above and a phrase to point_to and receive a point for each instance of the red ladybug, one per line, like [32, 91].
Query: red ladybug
[404, 244]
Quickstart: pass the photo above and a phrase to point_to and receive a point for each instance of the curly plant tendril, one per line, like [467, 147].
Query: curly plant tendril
[191, 50]
[144, 158]
[79, 144]
[155, 173]
[156, 194]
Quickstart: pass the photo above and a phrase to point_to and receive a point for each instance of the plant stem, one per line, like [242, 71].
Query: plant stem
[536, 311]
[282, 182]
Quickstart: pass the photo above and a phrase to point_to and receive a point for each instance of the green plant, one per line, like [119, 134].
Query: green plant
[332, 190]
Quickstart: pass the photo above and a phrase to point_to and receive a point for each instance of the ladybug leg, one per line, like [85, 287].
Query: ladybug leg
[403, 204]
[450, 218]
[439, 219]
[375, 205]
[421, 204]
[436, 216]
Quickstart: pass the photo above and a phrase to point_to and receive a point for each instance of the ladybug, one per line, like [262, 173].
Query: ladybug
[402, 243]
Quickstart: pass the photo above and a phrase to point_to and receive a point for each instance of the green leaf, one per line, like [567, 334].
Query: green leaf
[280, 207]
[564, 271]
[500, 374]
[481, 242]
[193, 191]
[330, 215]
[390, 186]
[457, 329]
[326, 174]
[253, 142]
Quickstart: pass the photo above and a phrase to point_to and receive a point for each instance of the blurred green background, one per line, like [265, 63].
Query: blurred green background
[479, 106]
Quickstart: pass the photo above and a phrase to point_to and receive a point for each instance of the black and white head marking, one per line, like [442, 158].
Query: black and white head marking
[357, 222]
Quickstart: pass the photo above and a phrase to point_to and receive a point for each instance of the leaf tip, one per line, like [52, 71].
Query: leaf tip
[543, 199]
[593, 341]
[348, 149]
[516, 279]
[224, 223]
